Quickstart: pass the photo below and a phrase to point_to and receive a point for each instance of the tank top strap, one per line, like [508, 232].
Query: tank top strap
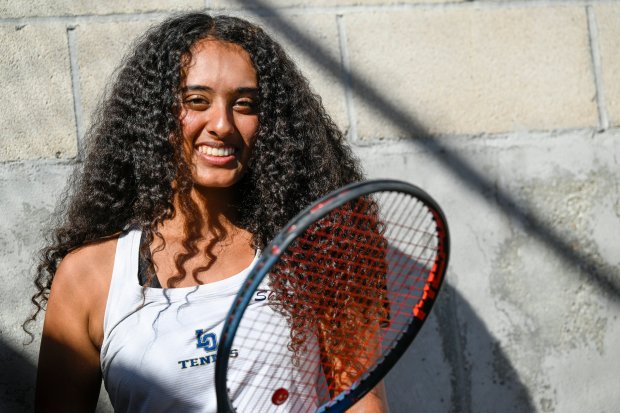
[124, 277]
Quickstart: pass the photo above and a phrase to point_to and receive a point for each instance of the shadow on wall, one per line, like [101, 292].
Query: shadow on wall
[17, 378]
[436, 372]
[603, 278]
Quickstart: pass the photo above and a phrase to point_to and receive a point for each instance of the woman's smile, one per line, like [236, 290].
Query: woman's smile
[217, 156]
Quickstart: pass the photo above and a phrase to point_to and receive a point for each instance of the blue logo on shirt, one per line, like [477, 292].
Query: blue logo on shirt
[206, 341]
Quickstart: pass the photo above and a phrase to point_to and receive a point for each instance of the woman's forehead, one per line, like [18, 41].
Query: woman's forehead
[218, 61]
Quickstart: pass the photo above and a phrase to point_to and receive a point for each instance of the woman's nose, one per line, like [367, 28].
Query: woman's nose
[221, 122]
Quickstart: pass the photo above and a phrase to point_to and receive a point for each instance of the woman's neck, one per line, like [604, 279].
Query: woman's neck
[201, 240]
[214, 206]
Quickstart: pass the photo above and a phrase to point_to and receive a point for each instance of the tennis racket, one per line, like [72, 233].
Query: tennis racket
[334, 301]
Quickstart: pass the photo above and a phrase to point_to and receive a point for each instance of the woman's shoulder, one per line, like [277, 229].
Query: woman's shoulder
[89, 264]
[77, 300]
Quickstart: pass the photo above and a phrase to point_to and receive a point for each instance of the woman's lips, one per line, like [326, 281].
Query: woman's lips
[219, 156]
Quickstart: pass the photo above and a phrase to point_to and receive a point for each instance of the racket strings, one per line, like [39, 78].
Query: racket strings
[342, 293]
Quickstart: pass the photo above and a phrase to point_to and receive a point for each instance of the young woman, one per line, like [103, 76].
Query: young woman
[207, 143]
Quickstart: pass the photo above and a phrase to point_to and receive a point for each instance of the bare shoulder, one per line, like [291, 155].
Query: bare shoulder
[87, 266]
[81, 284]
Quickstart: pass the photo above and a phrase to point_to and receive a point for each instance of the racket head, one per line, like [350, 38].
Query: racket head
[402, 307]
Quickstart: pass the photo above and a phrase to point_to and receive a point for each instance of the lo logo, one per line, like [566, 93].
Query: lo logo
[206, 341]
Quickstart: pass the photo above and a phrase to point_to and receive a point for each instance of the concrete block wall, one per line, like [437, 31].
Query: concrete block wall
[506, 111]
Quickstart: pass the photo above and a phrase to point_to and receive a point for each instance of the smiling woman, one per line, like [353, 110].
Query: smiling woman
[207, 143]
[219, 119]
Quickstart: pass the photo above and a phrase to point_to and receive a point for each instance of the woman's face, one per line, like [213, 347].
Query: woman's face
[218, 118]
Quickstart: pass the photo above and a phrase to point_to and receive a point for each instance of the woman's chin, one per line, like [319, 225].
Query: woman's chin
[215, 182]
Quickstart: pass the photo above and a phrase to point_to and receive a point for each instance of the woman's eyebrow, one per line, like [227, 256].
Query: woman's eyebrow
[247, 90]
[242, 89]
[191, 88]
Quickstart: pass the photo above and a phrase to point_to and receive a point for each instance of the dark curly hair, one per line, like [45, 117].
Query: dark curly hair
[332, 283]
[134, 164]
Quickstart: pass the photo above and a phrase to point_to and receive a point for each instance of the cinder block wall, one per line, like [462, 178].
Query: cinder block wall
[506, 111]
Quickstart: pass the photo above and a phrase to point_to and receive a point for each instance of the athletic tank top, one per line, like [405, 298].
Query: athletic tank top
[159, 345]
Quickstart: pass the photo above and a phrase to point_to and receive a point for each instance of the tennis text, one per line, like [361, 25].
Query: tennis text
[203, 360]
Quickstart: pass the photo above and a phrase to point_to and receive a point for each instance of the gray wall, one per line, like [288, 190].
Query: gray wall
[506, 111]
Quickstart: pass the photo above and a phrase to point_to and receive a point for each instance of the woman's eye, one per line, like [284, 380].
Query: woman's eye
[196, 103]
[246, 105]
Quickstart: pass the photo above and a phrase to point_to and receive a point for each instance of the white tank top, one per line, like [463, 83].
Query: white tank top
[159, 345]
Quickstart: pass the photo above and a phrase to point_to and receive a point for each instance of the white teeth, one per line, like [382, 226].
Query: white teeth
[207, 150]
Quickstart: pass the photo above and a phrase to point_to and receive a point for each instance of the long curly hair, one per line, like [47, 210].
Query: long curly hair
[134, 164]
[332, 283]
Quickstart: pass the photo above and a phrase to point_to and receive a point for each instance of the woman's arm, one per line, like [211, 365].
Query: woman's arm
[374, 402]
[69, 374]
[343, 370]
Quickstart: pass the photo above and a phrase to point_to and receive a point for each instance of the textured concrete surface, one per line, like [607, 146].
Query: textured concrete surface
[12, 8]
[37, 107]
[607, 21]
[526, 98]
[320, 30]
[236, 4]
[528, 318]
[99, 48]
[28, 192]
[466, 70]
